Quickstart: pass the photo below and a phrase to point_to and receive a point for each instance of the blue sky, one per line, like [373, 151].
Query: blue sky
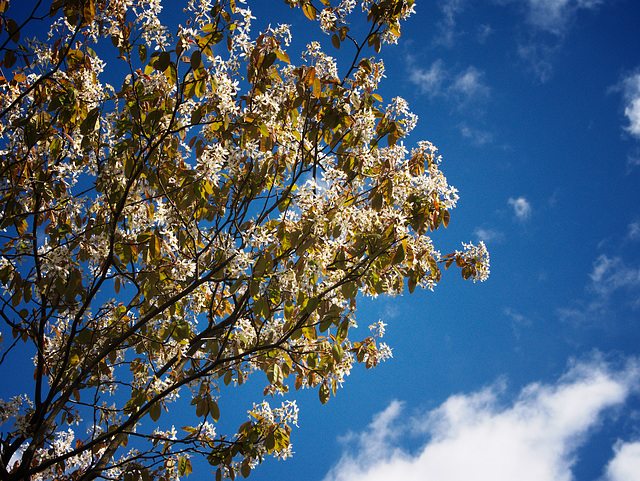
[534, 374]
[535, 107]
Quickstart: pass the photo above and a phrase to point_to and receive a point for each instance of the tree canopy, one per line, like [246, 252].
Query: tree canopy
[205, 210]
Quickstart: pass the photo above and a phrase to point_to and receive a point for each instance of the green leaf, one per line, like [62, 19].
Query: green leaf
[162, 61]
[129, 164]
[446, 217]
[335, 40]
[324, 393]
[90, 123]
[263, 129]
[343, 330]
[13, 30]
[202, 407]
[142, 52]
[349, 290]
[196, 59]
[288, 309]
[172, 74]
[155, 411]
[399, 255]
[228, 376]
[196, 116]
[337, 351]
[268, 60]
[274, 374]
[412, 283]
[245, 468]
[200, 87]
[467, 272]
[30, 134]
[311, 305]
[326, 323]
[184, 466]
[270, 442]
[9, 58]
[214, 410]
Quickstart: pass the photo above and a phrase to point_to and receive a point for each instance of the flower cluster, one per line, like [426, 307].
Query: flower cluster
[217, 216]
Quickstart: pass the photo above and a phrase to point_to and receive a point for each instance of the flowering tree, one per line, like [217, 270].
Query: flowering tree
[214, 216]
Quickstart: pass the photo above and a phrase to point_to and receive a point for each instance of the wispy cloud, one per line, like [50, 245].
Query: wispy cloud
[521, 207]
[466, 91]
[518, 321]
[633, 159]
[470, 84]
[554, 16]
[540, 58]
[477, 136]
[447, 26]
[484, 31]
[430, 80]
[550, 22]
[630, 87]
[437, 81]
[610, 276]
[516, 317]
[488, 235]
[534, 437]
[634, 231]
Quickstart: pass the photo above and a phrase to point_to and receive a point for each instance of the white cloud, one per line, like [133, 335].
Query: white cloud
[477, 136]
[533, 438]
[611, 274]
[518, 321]
[631, 94]
[554, 15]
[488, 235]
[634, 231]
[625, 466]
[470, 84]
[610, 277]
[540, 58]
[633, 158]
[429, 81]
[521, 207]
[483, 32]
[447, 26]
[464, 87]
[517, 318]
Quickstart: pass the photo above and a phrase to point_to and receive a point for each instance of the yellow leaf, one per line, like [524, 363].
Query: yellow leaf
[282, 56]
[89, 12]
[310, 77]
[21, 226]
[309, 10]
[200, 88]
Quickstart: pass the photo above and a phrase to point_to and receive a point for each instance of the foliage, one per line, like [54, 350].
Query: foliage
[213, 215]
